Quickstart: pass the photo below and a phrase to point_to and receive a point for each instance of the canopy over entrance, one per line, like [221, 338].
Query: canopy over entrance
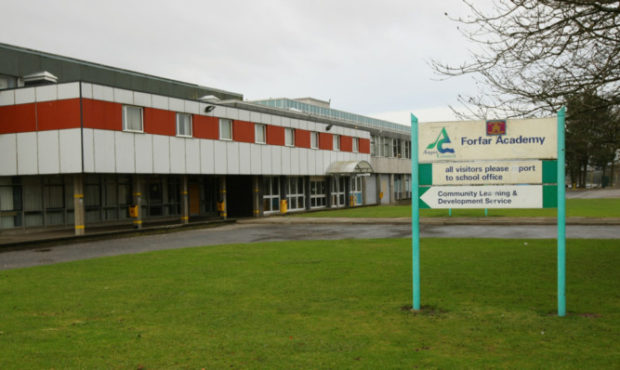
[349, 167]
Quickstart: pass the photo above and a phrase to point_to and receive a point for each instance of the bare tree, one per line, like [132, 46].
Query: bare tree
[531, 55]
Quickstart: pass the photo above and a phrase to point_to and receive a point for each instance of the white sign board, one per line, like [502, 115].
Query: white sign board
[487, 173]
[492, 196]
[471, 140]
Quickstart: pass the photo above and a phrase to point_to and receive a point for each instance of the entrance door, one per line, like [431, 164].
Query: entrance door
[194, 199]
[338, 189]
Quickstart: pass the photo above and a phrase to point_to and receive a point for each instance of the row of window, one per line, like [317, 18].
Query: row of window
[382, 146]
[133, 122]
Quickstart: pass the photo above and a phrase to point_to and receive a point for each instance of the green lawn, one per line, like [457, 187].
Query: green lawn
[317, 304]
[574, 208]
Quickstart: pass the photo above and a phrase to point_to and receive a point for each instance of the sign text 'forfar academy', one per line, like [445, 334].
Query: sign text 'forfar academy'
[497, 196]
[472, 140]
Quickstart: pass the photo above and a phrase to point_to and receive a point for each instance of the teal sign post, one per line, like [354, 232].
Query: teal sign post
[492, 164]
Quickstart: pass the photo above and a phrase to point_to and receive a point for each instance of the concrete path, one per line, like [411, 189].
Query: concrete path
[252, 233]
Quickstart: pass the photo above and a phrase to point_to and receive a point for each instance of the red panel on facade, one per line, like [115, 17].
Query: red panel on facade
[302, 138]
[364, 146]
[243, 131]
[159, 122]
[275, 135]
[102, 114]
[58, 114]
[326, 141]
[205, 127]
[17, 118]
[346, 143]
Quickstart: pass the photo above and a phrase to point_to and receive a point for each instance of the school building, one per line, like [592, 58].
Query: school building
[85, 144]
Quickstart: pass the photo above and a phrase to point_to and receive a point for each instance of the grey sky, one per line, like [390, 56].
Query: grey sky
[369, 57]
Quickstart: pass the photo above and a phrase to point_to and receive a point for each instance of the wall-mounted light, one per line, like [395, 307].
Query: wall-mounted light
[329, 127]
[209, 108]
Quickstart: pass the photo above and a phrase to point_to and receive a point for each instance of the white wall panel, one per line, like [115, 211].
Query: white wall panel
[87, 90]
[7, 97]
[256, 158]
[207, 159]
[192, 156]
[142, 99]
[311, 161]
[105, 153]
[276, 159]
[144, 153]
[191, 107]
[159, 102]
[161, 154]
[46, 93]
[231, 113]
[232, 156]
[265, 157]
[27, 153]
[70, 150]
[125, 152]
[328, 158]
[245, 159]
[24, 95]
[177, 155]
[294, 160]
[48, 152]
[69, 90]
[8, 153]
[220, 154]
[103, 93]
[255, 117]
[244, 115]
[123, 96]
[176, 105]
[89, 150]
[303, 161]
[286, 161]
[219, 111]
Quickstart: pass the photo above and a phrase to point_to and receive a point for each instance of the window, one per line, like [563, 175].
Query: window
[296, 193]
[336, 142]
[225, 129]
[132, 118]
[318, 197]
[356, 145]
[396, 145]
[184, 124]
[373, 145]
[408, 149]
[271, 194]
[259, 134]
[314, 140]
[289, 137]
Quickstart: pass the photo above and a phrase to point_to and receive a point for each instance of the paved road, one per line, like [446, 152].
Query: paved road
[251, 233]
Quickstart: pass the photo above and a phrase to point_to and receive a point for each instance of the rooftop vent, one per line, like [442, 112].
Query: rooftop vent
[209, 98]
[40, 78]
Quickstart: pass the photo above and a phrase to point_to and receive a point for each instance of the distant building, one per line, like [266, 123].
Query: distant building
[84, 144]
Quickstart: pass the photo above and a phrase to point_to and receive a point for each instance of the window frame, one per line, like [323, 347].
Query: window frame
[336, 143]
[288, 130]
[225, 121]
[314, 140]
[125, 119]
[262, 128]
[189, 122]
